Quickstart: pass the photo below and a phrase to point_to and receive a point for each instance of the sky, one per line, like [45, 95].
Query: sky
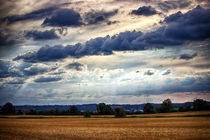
[112, 51]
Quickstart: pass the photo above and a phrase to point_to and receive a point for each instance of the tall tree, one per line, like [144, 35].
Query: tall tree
[200, 104]
[166, 106]
[104, 109]
[73, 110]
[8, 109]
[148, 108]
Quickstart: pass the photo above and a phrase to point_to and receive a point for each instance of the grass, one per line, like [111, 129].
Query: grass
[167, 126]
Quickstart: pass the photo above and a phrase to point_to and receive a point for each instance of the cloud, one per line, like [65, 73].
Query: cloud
[4, 71]
[193, 25]
[94, 17]
[76, 66]
[149, 73]
[177, 29]
[188, 56]
[48, 79]
[167, 72]
[145, 11]
[35, 69]
[170, 5]
[24, 70]
[63, 18]
[7, 40]
[16, 81]
[169, 85]
[35, 15]
[205, 3]
[42, 35]
[97, 46]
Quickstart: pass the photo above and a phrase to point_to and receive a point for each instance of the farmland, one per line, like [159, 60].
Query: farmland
[170, 126]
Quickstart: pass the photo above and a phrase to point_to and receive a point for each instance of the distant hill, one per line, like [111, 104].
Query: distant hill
[92, 107]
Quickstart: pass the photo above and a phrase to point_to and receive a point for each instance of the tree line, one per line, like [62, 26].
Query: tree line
[104, 109]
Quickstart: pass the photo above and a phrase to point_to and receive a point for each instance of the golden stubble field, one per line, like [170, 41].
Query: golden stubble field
[178, 128]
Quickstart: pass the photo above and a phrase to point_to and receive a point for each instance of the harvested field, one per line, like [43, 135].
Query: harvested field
[187, 128]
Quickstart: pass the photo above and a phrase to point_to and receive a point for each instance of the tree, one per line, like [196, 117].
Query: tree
[181, 108]
[188, 108]
[157, 109]
[73, 110]
[148, 108]
[32, 112]
[19, 112]
[200, 104]
[104, 109]
[8, 109]
[166, 106]
[87, 114]
[119, 113]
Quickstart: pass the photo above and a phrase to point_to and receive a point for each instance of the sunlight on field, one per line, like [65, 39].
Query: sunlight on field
[106, 128]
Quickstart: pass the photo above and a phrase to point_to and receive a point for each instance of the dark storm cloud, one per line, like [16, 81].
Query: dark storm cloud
[94, 17]
[145, 11]
[76, 66]
[7, 40]
[48, 79]
[64, 18]
[41, 35]
[177, 29]
[35, 15]
[149, 73]
[194, 25]
[188, 56]
[98, 46]
[170, 5]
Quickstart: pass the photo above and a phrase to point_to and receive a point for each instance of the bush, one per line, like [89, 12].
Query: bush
[87, 114]
[119, 113]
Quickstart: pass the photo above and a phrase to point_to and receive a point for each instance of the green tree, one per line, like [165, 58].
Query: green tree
[87, 114]
[166, 106]
[19, 112]
[200, 104]
[32, 112]
[8, 109]
[73, 110]
[157, 109]
[189, 108]
[148, 108]
[104, 109]
[119, 113]
[181, 108]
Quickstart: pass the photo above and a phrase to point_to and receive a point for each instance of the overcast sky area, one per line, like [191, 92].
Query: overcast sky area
[111, 51]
